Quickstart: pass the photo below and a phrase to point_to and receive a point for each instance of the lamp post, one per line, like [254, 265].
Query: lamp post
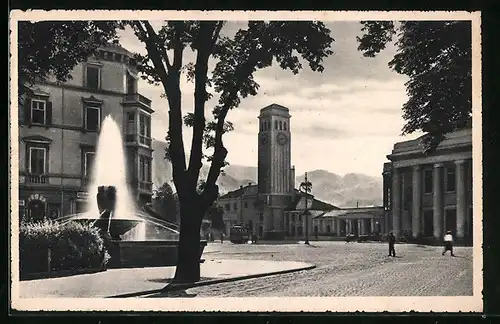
[306, 186]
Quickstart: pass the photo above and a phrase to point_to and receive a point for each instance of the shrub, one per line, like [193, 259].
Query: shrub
[72, 246]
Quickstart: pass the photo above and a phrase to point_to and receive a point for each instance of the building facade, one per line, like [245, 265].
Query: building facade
[355, 221]
[426, 195]
[58, 130]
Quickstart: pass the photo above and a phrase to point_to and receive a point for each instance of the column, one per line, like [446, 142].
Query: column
[337, 226]
[461, 197]
[416, 213]
[437, 178]
[372, 225]
[346, 226]
[396, 202]
[358, 223]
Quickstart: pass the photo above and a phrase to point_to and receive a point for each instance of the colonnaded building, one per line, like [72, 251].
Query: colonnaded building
[274, 208]
[426, 195]
[58, 130]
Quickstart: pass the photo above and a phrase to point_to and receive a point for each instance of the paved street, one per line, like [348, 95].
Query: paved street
[355, 269]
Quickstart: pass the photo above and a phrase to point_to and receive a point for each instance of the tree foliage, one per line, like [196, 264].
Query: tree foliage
[167, 201]
[215, 215]
[437, 58]
[54, 48]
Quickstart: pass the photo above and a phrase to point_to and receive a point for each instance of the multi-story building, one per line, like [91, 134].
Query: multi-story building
[59, 127]
[426, 195]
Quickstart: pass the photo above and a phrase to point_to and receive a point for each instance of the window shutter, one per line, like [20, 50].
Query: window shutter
[49, 113]
[27, 111]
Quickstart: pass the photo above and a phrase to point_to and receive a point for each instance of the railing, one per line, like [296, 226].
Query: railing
[137, 98]
[137, 138]
[37, 178]
[145, 185]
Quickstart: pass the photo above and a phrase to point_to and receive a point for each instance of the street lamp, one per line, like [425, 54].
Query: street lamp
[306, 186]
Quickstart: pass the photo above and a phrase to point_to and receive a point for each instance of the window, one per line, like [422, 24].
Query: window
[328, 228]
[130, 126]
[284, 126]
[145, 129]
[92, 118]
[428, 181]
[37, 160]
[144, 168]
[88, 163]
[227, 207]
[93, 77]
[281, 125]
[131, 84]
[275, 124]
[38, 112]
[450, 179]
[293, 217]
[261, 216]
[235, 206]
[300, 218]
[246, 204]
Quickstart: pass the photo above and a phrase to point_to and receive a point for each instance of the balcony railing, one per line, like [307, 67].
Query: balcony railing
[137, 98]
[37, 178]
[146, 185]
[138, 139]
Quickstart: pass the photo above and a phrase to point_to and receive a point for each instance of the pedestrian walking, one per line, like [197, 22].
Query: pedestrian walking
[221, 238]
[392, 242]
[448, 243]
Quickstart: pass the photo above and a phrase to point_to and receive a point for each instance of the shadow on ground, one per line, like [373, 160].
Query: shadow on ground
[169, 280]
[172, 294]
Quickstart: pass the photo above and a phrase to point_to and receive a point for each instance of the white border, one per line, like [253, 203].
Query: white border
[307, 304]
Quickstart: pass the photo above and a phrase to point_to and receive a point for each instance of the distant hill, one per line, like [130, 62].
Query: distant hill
[342, 191]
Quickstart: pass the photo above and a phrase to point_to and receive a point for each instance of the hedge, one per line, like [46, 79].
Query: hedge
[72, 246]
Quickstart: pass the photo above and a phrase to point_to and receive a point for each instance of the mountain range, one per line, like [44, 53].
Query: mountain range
[349, 190]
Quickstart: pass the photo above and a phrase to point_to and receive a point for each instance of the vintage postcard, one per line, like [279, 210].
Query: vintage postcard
[246, 161]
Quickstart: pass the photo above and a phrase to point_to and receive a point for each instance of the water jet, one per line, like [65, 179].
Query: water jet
[136, 236]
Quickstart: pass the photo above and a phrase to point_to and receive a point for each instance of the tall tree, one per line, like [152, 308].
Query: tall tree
[252, 48]
[214, 214]
[54, 48]
[437, 58]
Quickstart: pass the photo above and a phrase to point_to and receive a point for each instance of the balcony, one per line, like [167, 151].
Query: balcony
[132, 99]
[36, 178]
[133, 139]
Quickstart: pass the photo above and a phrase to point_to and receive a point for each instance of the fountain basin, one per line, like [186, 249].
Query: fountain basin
[136, 254]
[117, 227]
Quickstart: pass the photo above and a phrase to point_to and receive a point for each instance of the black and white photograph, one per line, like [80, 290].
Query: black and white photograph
[245, 161]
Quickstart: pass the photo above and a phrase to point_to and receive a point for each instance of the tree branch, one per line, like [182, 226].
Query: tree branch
[204, 45]
[171, 84]
[156, 42]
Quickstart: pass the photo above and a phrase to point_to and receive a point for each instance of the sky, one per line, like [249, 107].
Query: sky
[345, 119]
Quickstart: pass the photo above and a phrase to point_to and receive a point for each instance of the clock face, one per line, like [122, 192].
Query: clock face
[282, 139]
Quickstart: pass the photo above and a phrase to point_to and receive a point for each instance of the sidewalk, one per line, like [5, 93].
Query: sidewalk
[143, 281]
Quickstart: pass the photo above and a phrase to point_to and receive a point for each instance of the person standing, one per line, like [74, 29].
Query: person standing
[392, 242]
[448, 243]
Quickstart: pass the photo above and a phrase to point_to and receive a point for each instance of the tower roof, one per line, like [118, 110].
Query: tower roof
[275, 110]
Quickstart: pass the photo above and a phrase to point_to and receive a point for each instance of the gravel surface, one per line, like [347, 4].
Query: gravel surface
[354, 269]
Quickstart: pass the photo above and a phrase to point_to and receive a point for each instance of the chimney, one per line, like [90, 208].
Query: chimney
[249, 184]
[241, 187]
[357, 204]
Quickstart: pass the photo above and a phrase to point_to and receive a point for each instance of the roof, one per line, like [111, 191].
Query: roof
[117, 48]
[361, 211]
[461, 139]
[315, 204]
[297, 204]
[238, 192]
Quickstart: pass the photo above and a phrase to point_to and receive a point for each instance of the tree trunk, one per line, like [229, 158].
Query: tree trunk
[188, 254]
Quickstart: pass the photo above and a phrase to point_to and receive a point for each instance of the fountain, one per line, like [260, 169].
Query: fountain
[137, 238]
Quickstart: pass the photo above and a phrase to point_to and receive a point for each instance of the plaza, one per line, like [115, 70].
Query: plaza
[341, 269]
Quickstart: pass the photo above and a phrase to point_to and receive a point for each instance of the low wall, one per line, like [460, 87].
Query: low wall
[134, 254]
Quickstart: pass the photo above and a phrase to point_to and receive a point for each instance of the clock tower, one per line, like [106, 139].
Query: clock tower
[275, 173]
